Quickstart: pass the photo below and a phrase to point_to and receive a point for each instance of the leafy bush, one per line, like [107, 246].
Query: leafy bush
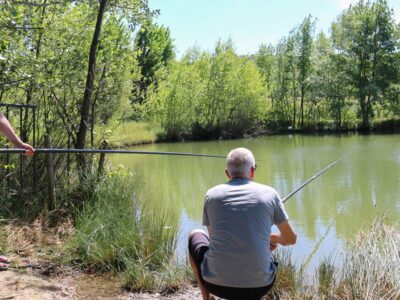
[209, 95]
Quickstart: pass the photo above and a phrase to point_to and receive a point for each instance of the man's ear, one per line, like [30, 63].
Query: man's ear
[252, 172]
[227, 174]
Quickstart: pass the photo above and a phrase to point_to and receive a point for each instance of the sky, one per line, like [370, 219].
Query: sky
[249, 23]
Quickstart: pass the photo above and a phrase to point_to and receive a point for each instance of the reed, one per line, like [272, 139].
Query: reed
[369, 270]
[372, 264]
[326, 279]
[117, 231]
[287, 272]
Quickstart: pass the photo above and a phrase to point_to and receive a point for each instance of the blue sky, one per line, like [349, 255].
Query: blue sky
[248, 22]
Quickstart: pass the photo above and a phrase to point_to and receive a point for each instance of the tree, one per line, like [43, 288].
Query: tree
[155, 51]
[365, 36]
[133, 10]
[292, 71]
[91, 73]
[305, 42]
[209, 95]
[329, 87]
[265, 60]
[281, 84]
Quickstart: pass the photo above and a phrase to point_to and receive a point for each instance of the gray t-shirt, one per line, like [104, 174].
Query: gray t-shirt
[240, 214]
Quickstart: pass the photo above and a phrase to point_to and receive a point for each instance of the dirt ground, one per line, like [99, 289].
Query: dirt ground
[27, 284]
[33, 276]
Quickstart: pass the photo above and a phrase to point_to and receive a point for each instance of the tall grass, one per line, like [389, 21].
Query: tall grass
[372, 266]
[326, 277]
[117, 231]
[287, 273]
[370, 270]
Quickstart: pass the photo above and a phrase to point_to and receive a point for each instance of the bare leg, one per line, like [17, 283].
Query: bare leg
[205, 294]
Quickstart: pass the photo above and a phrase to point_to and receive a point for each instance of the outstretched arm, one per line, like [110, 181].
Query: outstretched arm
[7, 130]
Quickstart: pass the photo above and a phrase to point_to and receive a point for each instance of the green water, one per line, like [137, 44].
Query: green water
[326, 214]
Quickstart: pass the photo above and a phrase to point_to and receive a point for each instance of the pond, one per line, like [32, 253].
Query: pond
[326, 214]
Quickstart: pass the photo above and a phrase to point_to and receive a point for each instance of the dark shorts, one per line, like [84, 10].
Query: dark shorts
[198, 246]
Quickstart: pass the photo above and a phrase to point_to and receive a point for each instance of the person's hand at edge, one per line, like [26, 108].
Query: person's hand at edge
[29, 150]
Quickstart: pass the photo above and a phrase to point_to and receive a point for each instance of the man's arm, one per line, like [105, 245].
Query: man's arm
[286, 235]
[7, 130]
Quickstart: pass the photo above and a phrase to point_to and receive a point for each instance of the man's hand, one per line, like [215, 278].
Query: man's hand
[285, 237]
[273, 246]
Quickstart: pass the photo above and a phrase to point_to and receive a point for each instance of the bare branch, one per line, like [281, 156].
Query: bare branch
[69, 124]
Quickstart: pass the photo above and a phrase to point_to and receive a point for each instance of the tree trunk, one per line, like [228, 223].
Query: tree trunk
[93, 118]
[364, 113]
[294, 102]
[302, 108]
[83, 126]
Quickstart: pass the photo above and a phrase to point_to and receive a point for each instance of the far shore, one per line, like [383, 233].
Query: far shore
[131, 134]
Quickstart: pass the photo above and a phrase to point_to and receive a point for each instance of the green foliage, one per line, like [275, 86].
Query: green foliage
[116, 230]
[209, 95]
[155, 52]
[334, 82]
[43, 61]
[305, 44]
[366, 38]
[330, 92]
[126, 134]
[265, 59]
[283, 87]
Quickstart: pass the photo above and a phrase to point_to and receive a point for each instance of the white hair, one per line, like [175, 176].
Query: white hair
[239, 162]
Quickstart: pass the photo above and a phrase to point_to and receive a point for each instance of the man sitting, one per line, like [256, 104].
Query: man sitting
[234, 260]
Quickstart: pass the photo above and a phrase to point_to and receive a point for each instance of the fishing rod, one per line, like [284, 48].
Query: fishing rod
[314, 177]
[107, 151]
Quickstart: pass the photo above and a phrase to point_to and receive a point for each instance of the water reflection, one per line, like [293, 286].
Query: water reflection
[326, 213]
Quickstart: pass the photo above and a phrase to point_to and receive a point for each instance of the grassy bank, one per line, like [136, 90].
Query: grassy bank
[370, 270]
[138, 255]
[130, 133]
[117, 231]
[125, 134]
